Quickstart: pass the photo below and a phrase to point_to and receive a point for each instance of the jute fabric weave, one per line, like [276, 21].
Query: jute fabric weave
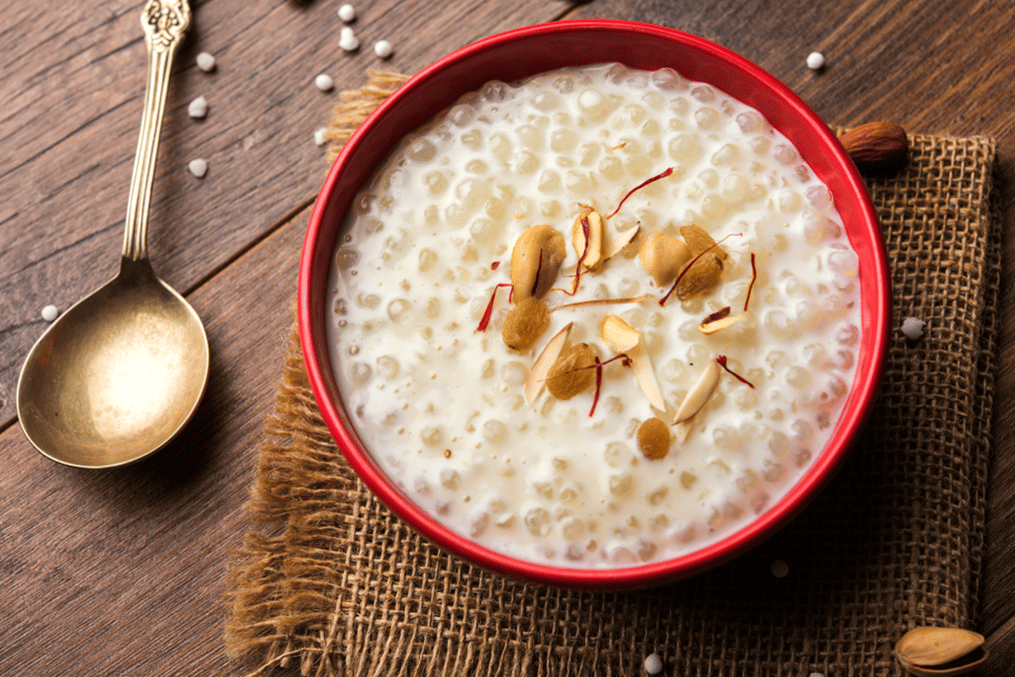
[329, 582]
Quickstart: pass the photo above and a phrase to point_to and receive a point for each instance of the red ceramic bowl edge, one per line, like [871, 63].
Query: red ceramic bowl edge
[876, 314]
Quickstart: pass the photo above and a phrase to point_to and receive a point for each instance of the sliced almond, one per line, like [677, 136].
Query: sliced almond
[617, 244]
[712, 326]
[589, 249]
[535, 261]
[699, 393]
[663, 256]
[618, 335]
[541, 367]
[642, 365]
[621, 337]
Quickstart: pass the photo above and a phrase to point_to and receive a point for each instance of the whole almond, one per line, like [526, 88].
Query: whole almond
[880, 147]
[535, 260]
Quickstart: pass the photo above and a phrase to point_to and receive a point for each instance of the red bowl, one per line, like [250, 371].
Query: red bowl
[524, 52]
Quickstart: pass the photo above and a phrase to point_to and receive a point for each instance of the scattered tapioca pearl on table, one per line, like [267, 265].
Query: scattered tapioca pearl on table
[324, 82]
[50, 313]
[198, 167]
[319, 136]
[348, 40]
[383, 49]
[206, 62]
[653, 664]
[913, 327]
[198, 108]
[347, 13]
[780, 569]
[815, 61]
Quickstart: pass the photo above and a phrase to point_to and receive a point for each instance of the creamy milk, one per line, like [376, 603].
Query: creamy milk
[440, 405]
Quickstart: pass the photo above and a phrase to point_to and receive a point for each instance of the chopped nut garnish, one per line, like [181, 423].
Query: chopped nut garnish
[654, 438]
[535, 261]
[525, 323]
[719, 320]
[569, 375]
[587, 238]
[699, 393]
[663, 256]
[541, 367]
[701, 274]
[620, 337]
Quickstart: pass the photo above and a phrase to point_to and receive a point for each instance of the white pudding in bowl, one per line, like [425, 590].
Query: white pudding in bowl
[661, 249]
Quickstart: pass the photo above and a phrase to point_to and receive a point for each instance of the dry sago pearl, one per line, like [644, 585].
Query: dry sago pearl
[815, 60]
[206, 62]
[653, 664]
[347, 13]
[780, 569]
[348, 40]
[198, 108]
[383, 49]
[913, 327]
[324, 82]
[198, 168]
[50, 313]
[319, 136]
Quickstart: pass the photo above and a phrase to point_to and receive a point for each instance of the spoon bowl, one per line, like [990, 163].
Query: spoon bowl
[122, 371]
[117, 376]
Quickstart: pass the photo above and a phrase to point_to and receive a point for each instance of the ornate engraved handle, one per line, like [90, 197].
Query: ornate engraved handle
[164, 23]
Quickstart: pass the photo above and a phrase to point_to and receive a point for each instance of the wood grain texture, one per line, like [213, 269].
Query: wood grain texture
[121, 572]
[73, 85]
[937, 67]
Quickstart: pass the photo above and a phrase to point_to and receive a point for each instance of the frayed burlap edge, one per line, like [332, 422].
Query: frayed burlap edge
[280, 607]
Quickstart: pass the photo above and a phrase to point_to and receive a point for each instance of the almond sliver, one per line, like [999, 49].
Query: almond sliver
[646, 375]
[618, 335]
[541, 367]
[720, 324]
[617, 244]
[699, 393]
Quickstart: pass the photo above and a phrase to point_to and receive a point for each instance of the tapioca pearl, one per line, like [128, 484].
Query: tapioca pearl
[777, 359]
[548, 181]
[427, 259]
[563, 140]
[449, 478]
[369, 301]
[537, 522]
[588, 152]
[708, 178]
[472, 193]
[843, 360]
[801, 430]
[726, 156]
[436, 183]
[779, 444]
[399, 310]
[752, 122]
[780, 324]
[798, 377]
[818, 197]
[628, 117]
[514, 373]
[684, 148]
[698, 355]
[421, 151]
[530, 137]
[611, 168]
[707, 119]
[618, 455]
[387, 367]
[564, 84]
[816, 356]
[734, 188]
[726, 438]
[760, 145]
[703, 93]
[621, 484]
[484, 230]
[831, 391]
[713, 207]
[801, 173]
[594, 105]
[746, 399]
[578, 182]
[476, 166]
[527, 163]
[500, 145]
[550, 209]
[668, 80]
[844, 263]
[360, 373]
[545, 101]
[785, 154]
[788, 201]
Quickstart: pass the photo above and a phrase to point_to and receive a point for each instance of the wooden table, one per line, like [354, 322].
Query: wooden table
[121, 572]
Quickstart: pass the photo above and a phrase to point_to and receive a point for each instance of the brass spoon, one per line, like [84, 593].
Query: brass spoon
[121, 372]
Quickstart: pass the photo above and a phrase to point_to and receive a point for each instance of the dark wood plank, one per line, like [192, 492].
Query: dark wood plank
[73, 78]
[122, 571]
[936, 68]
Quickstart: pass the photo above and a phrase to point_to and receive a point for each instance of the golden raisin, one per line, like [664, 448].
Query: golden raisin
[654, 438]
[571, 374]
[525, 323]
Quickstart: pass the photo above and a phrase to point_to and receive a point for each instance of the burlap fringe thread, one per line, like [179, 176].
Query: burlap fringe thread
[330, 583]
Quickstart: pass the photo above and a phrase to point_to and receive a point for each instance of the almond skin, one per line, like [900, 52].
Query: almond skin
[879, 147]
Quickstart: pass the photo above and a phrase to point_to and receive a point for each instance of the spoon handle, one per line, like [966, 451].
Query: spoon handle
[164, 23]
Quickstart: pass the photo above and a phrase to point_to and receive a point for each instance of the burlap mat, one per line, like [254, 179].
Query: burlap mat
[329, 582]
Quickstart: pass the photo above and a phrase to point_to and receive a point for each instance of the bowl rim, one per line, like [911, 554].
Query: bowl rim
[863, 391]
